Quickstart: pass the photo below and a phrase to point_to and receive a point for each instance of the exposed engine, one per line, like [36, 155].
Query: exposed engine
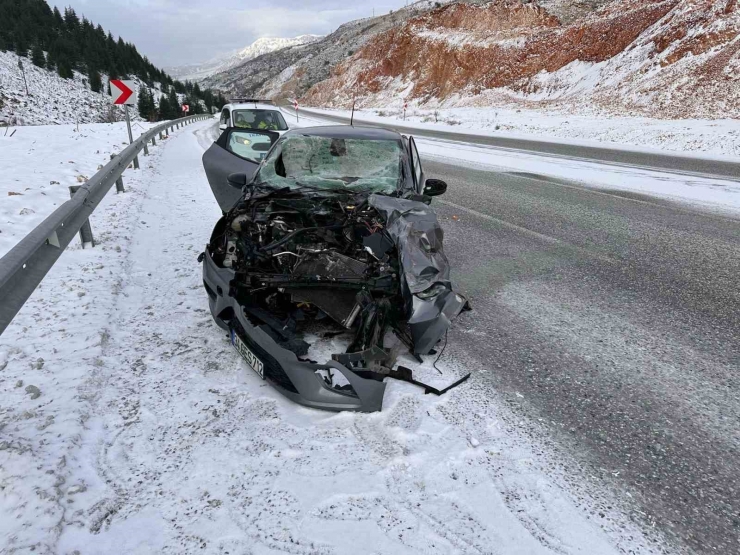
[313, 257]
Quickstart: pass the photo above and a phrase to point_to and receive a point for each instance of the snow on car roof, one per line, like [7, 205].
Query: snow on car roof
[251, 106]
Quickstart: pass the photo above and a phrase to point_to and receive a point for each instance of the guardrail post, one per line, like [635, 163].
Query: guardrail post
[136, 162]
[154, 141]
[86, 234]
[119, 181]
[146, 149]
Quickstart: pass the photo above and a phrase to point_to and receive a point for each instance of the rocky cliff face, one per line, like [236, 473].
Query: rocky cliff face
[292, 71]
[671, 58]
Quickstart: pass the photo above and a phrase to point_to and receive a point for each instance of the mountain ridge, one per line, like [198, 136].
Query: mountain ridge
[224, 62]
[659, 58]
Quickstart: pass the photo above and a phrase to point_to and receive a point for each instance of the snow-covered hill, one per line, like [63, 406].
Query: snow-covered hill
[52, 99]
[665, 58]
[264, 45]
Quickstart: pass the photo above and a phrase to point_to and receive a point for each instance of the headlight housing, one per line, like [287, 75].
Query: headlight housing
[432, 292]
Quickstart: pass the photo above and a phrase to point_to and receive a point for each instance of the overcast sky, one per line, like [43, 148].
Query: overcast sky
[180, 32]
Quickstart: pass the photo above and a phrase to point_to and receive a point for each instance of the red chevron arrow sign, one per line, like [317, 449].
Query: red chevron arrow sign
[122, 92]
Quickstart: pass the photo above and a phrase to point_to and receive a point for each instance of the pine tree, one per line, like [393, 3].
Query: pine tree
[58, 19]
[164, 108]
[21, 46]
[37, 56]
[174, 103]
[64, 69]
[71, 21]
[146, 104]
[96, 83]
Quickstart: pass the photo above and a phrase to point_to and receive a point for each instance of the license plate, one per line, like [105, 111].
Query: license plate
[249, 357]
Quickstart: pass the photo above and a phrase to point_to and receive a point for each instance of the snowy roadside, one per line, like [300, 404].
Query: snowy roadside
[39, 163]
[53, 348]
[719, 195]
[719, 137]
[151, 436]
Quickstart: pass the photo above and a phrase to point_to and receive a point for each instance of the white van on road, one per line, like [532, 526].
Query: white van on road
[250, 113]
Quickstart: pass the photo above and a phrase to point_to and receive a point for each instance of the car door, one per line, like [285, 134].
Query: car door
[416, 168]
[235, 151]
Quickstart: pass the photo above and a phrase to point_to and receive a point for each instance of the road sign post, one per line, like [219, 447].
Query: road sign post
[122, 94]
[295, 107]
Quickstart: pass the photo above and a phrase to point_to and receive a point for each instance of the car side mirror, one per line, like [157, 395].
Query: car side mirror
[434, 187]
[237, 180]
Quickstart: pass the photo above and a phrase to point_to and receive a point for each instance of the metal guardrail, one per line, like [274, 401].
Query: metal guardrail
[25, 266]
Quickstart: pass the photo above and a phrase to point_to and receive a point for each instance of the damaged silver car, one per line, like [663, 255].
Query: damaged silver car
[327, 233]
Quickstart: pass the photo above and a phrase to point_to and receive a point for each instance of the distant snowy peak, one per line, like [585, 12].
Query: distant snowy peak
[266, 44]
[261, 46]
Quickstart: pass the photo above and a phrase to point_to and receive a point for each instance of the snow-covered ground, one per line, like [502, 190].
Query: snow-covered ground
[716, 194]
[50, 99]
[54, 100]
[129, 425]
[39, 163]
[719, 137]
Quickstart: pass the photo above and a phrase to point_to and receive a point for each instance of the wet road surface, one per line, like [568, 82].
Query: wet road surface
[613, 319]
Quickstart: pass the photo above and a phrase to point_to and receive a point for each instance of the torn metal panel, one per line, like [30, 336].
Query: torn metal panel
[414, 228]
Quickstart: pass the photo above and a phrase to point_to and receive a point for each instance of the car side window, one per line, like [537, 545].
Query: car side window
[225, 117]
[416, 162]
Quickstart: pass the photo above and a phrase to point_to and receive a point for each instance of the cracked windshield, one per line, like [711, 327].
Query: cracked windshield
[326, 163]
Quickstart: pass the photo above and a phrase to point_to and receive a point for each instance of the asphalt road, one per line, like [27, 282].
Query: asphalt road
[656, 160]
[613, 320]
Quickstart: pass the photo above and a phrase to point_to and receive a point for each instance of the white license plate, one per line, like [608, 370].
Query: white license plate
[249, 357]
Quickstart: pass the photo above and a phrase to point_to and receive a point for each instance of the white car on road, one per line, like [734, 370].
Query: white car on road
[252, 114]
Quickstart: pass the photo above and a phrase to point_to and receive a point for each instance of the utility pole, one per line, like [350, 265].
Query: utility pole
[23, 72]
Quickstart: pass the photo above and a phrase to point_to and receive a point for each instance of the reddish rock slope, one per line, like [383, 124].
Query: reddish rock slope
[669, 58]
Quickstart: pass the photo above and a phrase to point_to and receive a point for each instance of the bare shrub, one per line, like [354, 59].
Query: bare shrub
[111, 114]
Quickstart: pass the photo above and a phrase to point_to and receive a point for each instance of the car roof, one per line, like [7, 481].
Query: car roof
[251, 106]
[346, 132]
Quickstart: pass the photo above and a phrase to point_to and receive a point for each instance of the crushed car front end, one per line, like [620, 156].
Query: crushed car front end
[301, 381]
[322, 280]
